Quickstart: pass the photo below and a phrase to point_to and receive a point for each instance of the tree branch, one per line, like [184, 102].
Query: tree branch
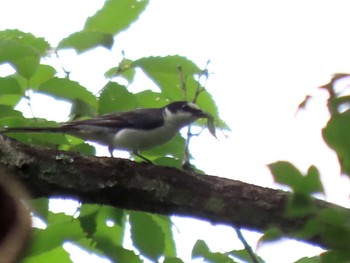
[140, 186]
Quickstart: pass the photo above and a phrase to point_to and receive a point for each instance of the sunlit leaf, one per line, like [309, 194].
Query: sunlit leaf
[244, 256]
[164, 72]
[60, 229]
[165, 223]
[147, 235]
[200, 249]
[315, 259]
[337, 136]
[338, 256]
[26, 66]
[9, 85]
[55, 255]
[115, 16]
[27, 39]
[299, 204]
[64, 88]
[211, 125]
[7, 111]
[40, 207]
[151, 99]
[42, 74]
[10, 99]
[270, 235]
[115, 97]
[85, 40]
[82, 148]
[175, 148]
[286, 173]
[312, 181]
[82, 109]
[172, 260]
[22, 50]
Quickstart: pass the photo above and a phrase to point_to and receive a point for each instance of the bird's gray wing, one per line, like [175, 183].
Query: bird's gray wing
[142, 118]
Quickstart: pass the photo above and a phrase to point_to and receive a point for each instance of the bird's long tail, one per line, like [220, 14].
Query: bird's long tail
[31, 129]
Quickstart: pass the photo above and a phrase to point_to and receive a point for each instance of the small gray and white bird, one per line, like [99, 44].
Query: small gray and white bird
[133, 131]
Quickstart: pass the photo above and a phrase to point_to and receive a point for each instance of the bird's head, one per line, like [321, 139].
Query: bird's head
[182, 113]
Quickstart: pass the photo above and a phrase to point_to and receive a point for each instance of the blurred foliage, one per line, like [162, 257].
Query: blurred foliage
[100, 229]
[329, 224]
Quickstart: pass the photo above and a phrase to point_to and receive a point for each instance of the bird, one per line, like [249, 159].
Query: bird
[133, 131]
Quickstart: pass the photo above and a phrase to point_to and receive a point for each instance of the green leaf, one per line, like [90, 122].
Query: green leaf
[337, 136]
[312, 181]
[64, 88]
[167, 161]
[61, 228]
[22, 50]
[338, 256]
[10, 99]
[106, 239]
[85, 40]
[151, 99]
[315, 259]
[172, 260]
[120, 254]
[115, 97]
[286, 173]
[164, 72]
[270, 235]
[115, 16]
[244, 256]
[200, 249]
[40, 207]
[9, 85]
[81, 109]
[42, 74]
[11, 50]
[123, 70]
[27, 39]
[299, 205]
[147, 235]
[7, 111]
[26, 66]
[82, 148]
[211, 125]
[175, 148]
[87, 220]
[56, 255]
[165, 223]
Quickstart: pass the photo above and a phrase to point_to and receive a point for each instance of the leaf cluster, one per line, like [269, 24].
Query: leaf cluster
[98, 229]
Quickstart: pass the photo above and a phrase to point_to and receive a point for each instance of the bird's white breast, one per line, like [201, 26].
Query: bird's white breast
[139, 140]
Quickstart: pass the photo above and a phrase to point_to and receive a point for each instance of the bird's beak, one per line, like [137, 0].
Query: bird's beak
[201, 114]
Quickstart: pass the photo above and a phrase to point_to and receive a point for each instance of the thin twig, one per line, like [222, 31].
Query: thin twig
[246, 246]
[201, 88]
[186, 165]
[66, 72]
[28, 101]
[182, 78]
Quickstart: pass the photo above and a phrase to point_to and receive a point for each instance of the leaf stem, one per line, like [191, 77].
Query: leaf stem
[246, 245]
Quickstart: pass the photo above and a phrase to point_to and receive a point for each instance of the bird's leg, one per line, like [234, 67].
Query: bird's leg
[110, 150]
[142, 157]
